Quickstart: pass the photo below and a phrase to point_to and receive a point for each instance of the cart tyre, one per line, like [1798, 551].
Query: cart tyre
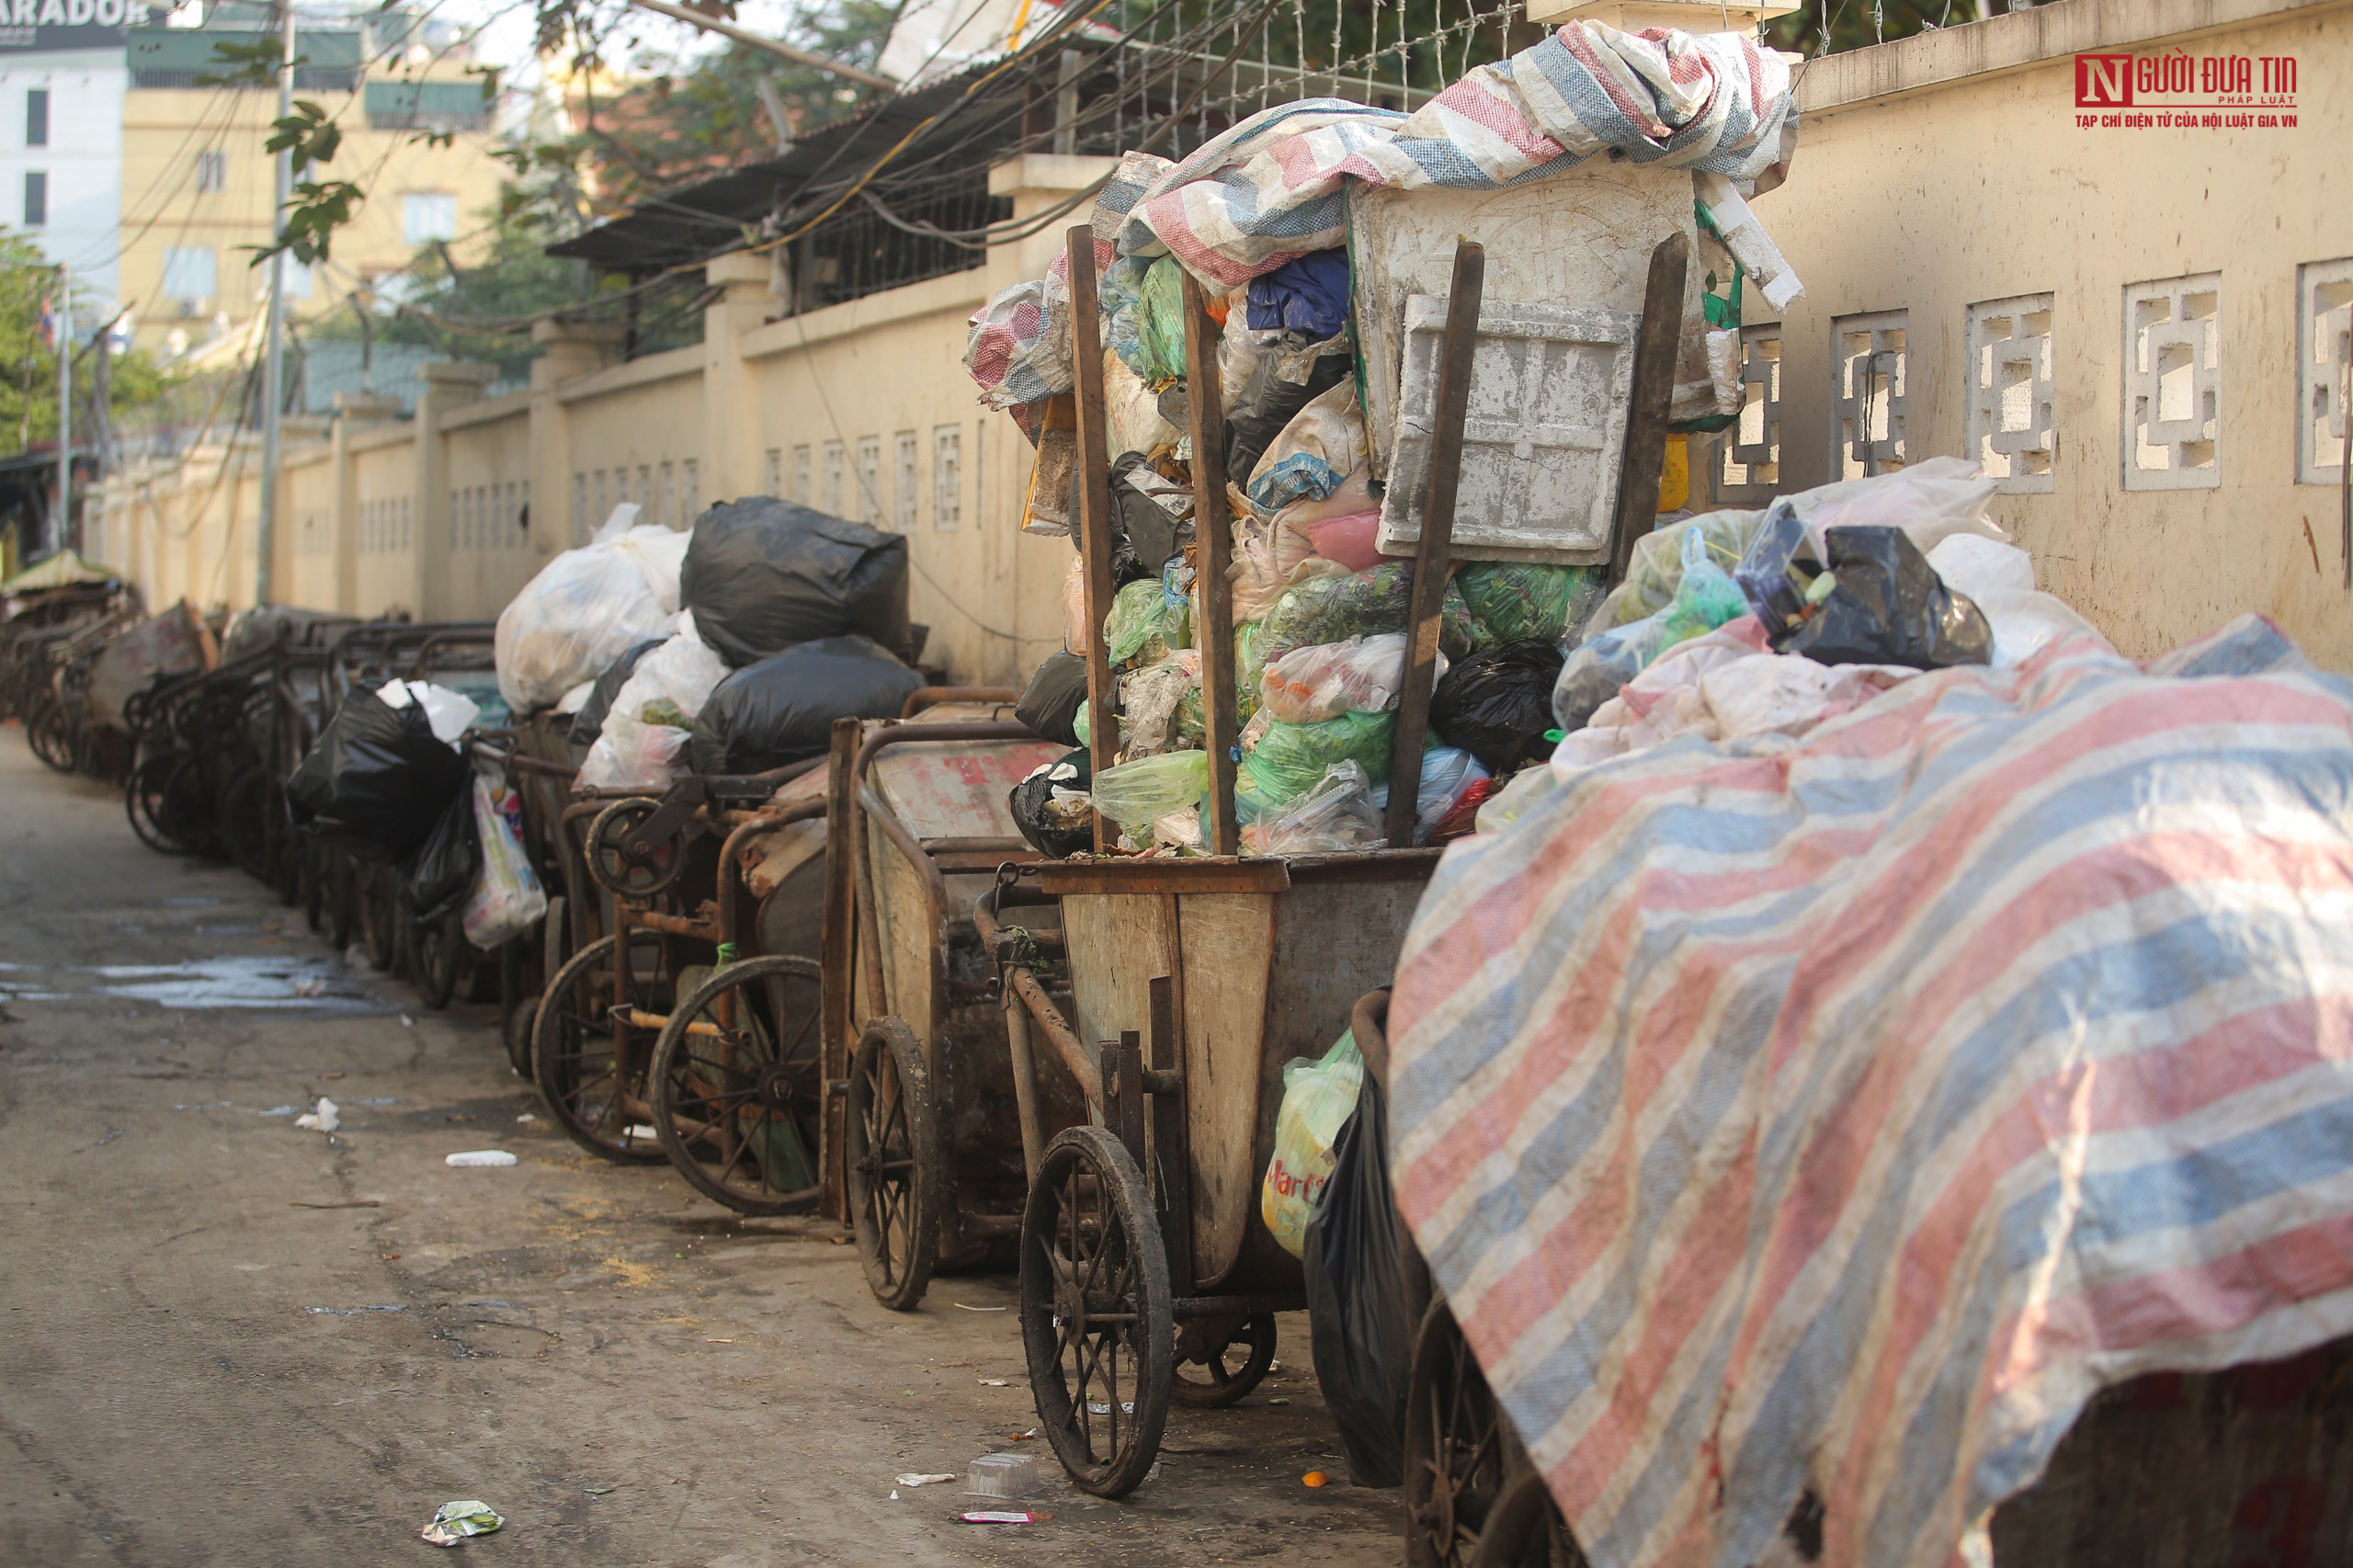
[520, 1021]
[435, 943]
[341, 880]
[899, 1273]
[1460, 1451]
[50, 731]
[1087, 1180]
[679, 1066]
[143, 801]
[1221, 1387]
[1526, 1530]
[241, 822]
[379, 918]
[556, 1069]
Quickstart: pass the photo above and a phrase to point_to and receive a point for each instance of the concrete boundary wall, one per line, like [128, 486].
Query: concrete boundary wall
[2134, 320]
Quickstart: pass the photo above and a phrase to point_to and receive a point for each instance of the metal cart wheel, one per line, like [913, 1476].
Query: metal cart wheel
[189, 811]
[340, 877]
[1231, 1355]
[614, 868]
[891, 1155]
[1525, 1530]
[50, 731]
[146, 801]
[739, 1086]
[379, 918]
[1097, 1320]
[590, 1087]
[1460, 1448]
[241, 823]
[435, 945]
[522, 1020]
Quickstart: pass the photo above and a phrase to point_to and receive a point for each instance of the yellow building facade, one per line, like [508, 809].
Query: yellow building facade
[197, 184]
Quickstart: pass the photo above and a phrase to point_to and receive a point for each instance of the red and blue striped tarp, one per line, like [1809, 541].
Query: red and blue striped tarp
[1841, 1111]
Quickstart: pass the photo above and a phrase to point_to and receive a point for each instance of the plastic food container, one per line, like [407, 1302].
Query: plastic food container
[1001, 1475]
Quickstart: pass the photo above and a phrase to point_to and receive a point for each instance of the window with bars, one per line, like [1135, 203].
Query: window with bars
[773, 473]
[2324, 363]
[947, 477]
[2173, 383]
[1749, 454]
[903, 488]
[836, 462]
[1868, 405]
[800, 475]
[2012, 420]
[211, 171]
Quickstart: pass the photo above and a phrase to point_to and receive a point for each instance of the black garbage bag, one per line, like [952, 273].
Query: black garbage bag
[1359, 1328]
[782, 709]
[589, 723]
[1050, 702]
[762, 574]
[1496, 704]
[1889, 607]
[377, 779]
[1257, 412]
[1144, 534]
[1056, 829]
[448, 864]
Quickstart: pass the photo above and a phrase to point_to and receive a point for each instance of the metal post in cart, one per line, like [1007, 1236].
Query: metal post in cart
[1434, 554]
[1645, 450]
[1094, 499]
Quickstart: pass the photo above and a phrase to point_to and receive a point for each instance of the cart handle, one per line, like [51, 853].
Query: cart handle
[1023, 987]
[924, 696]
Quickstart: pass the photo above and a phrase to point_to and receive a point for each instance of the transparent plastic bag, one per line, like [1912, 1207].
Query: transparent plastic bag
[1337, 814]
[1705, 598]
[1360, 674]
[1656, 567]
[1931, 501]
[1150, 701]
[1518, 602]
[586, 609]
[654, 713]
[1319, 1095]
[507, 900]
[1137, 793]
[1139, 616]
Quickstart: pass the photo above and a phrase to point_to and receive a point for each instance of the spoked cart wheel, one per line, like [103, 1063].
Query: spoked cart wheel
[435, 946]
[622, 871]
[1220, 1360]
[739, 1086]
[1459, 1450]
[590, 1066]
[147, 802]
[50, 731]
[1525, 1530]
[1097, 1315]
[890, 1153]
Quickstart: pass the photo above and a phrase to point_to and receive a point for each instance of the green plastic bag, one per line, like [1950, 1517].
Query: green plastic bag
[1332, 609]
[1139, 623]
[1290, 759]
[1516, 602]
[1319, 1095]
[1192, 719]
[1137, 794]
[1656, 568]
[1160, 324]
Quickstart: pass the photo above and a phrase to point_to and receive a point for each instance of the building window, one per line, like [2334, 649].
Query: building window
[690, 473]
[1867, 394]
[2173, 383]
[668, 516]
[870, 481]
[902, 469]
[947, 477]
[2012, 427]
[428, 215]
[800, 475]
[2323, 356]
[36, 198]
[1751, 449]
[187, 274]
[211, 171]
[835, 460]
[643, 494]
[774, 473]
[36, 116]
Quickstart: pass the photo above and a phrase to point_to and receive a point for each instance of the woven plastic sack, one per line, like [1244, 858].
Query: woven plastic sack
[1324, 444]
[1319, 1095]
[507, 900]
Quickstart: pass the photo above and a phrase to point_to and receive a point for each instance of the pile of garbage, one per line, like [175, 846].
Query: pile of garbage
[730, 649]
[1319, 598]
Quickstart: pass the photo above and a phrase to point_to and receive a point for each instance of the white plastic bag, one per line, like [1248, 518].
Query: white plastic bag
[1999, 579]
[586, 609]
[450, 713]
[1319, 1097]
[640, 745]
[1357, 674]
[507, 900]
[1931, 501]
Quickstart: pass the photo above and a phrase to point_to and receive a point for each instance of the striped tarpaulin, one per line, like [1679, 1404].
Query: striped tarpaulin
[1842, 1111]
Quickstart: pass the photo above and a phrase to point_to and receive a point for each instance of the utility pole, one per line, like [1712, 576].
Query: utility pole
[273, 379]
[62, 528]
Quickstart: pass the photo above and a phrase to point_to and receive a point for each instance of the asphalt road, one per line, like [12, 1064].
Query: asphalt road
[224, 1339]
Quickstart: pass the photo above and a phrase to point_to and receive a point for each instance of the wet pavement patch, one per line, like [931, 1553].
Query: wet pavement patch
[271, 983]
